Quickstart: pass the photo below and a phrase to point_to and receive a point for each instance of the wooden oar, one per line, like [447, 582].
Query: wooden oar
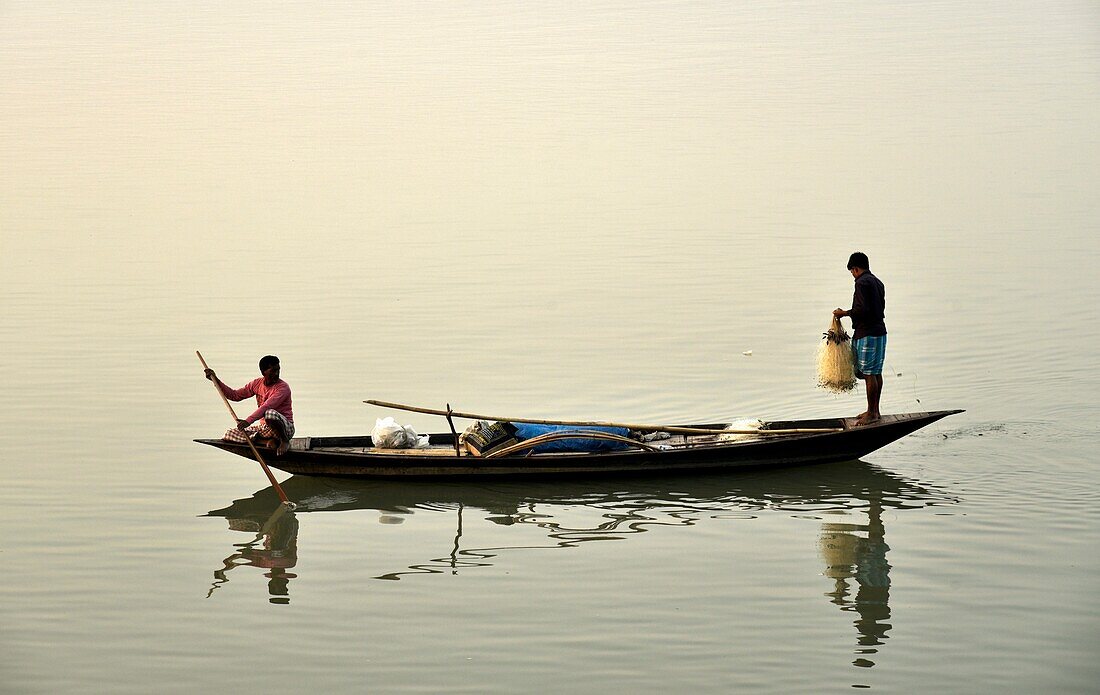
[577, 423]
[251, 445]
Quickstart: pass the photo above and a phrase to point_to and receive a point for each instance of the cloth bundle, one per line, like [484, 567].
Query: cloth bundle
[836, 363]
[483, 437]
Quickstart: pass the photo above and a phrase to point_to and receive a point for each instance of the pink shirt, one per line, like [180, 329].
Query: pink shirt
[274, 397]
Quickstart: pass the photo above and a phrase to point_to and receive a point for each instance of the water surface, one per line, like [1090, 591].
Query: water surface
[578, 212]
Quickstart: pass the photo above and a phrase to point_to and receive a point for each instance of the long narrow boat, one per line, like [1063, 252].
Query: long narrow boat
[790, 443]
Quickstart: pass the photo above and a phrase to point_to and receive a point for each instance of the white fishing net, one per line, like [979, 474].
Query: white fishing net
[836, 363]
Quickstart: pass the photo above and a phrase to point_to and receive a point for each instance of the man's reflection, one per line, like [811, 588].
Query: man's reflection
[858, 552]
[275, 548]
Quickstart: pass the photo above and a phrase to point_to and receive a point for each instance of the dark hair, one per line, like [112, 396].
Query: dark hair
[859, 260]
[268, 361]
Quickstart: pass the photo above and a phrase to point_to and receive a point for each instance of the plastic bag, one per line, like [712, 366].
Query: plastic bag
[388, 434]
[744, 424]
[836, 363]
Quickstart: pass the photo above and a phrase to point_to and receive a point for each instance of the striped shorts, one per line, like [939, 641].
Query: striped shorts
[870, 354]
[264, 427]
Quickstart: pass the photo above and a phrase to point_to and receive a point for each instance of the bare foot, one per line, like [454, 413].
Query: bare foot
[866, 419]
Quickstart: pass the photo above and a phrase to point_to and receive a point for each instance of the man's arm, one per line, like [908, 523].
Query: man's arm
[860, 301]
[231, 393]
[862, 298]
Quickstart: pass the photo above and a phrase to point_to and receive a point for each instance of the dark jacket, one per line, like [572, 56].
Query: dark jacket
[868, 307]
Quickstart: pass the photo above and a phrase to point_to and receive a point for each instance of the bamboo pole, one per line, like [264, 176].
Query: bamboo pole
[255, 451]
[577, 423]
[454, 432]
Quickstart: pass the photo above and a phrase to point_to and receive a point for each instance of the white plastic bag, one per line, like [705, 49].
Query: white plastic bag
[387, 434]
[745, 424]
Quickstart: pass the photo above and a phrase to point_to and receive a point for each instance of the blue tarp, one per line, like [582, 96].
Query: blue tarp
[526, 431]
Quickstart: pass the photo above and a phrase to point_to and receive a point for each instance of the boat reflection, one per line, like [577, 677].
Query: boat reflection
[851, 496]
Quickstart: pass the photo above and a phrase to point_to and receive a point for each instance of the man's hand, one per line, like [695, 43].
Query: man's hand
[241, 424]
[210, 374]
[839, 313]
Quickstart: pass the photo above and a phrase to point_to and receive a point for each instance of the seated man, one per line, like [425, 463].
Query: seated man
[272, 423]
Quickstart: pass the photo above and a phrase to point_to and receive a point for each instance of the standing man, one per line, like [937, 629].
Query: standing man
[868, 315]
[272, 423]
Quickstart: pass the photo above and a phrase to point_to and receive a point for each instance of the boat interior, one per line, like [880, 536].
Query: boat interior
[443, 444]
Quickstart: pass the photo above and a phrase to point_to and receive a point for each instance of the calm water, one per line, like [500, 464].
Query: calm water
[582, 212]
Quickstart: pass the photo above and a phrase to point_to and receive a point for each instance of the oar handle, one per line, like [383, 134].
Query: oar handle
[218, 389]
[251, 445]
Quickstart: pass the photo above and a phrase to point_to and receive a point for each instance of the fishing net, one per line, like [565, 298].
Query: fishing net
[836, 363]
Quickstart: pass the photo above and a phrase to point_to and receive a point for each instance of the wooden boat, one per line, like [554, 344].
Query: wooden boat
[776, 444]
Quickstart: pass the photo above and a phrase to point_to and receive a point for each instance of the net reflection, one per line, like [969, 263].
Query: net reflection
[850, 497]
[856, 554]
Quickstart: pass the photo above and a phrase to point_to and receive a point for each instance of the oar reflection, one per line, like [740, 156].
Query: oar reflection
[274, 548]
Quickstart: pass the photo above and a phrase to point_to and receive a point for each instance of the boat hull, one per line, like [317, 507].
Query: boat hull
[351, 457]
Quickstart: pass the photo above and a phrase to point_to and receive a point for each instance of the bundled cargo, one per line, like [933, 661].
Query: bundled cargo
[483, 437]
[525, 431]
